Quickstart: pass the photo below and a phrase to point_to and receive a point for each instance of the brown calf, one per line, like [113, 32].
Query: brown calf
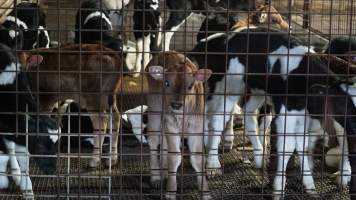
[265, 15]
[88, 74]
[177, 91]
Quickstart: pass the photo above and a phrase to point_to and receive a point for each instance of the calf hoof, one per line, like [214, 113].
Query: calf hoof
[94, 162]
[213, 171]
[4, 182]
[170, 196]
[135, 74]
[228, 145]
[155, 181]
[278, 196]
[28, 195]
[258, 159]
[107, 162]
[206, 196]
[344, 180]
[312, 193]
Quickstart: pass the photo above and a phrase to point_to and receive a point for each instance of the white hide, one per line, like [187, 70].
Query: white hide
[291, 62]
[8, 75]
[220, 105]
[291, 129]
[98, 14]
[135, 117]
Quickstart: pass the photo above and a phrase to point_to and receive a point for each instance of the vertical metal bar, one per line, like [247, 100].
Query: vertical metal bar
[306, 14]
[68, 152]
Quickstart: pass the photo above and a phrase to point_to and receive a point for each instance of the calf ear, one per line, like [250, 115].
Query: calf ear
[156, 72]
[202, 74]
[34, 60]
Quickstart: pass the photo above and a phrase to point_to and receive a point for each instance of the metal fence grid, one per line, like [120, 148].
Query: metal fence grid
[315, 22]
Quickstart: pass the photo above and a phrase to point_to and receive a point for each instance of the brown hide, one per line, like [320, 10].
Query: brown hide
[86, 73]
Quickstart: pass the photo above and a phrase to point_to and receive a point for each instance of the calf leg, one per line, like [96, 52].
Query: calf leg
[302, 140]
[23, 160]
[351, 140]
[115, 140]
[15, 168]
[217, 122]
[154, 131]
[251, 123]
[285, 126]
[315, 132]
[143, 55]
[4, 180]
[99, 125]
[174, 161]
[263, 128]
[344, 166]
[229, 131]
[195, 144]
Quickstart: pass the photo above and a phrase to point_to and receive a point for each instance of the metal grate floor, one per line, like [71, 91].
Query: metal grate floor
[130, 179]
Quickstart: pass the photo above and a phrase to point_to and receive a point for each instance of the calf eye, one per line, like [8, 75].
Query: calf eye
[191, 86]
[166, 83]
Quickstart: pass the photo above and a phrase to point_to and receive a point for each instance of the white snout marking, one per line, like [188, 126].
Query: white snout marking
[54, 134]
[13, 34]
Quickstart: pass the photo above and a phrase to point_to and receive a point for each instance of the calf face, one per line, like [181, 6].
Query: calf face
[214, 23]
[27, 27]
[178, 82]
[265, 15]
[12, 33]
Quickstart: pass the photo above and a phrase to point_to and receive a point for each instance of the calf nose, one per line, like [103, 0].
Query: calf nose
[176, 106]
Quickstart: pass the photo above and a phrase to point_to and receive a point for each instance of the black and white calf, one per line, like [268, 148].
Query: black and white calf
[79, 127]
[292, 78]
[21, 135]
[148, 24]
[147, 31]
[181, 10]
[93, 26]
[25, 28]
[216, 23]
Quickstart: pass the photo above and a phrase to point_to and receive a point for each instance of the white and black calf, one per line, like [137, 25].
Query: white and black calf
[76, 123]
[181, 10]
[215, 23]
[292, 77]
[94, 26]
[148, 24]
[25, 28]
[22, 135]
[147, 31]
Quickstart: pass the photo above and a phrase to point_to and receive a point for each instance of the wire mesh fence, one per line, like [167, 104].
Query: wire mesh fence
[186, 99]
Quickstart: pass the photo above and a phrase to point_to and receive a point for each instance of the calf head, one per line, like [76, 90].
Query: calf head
[12, 33]
[181, 80]
[265, 15]
[44, 143]
[216, 22]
